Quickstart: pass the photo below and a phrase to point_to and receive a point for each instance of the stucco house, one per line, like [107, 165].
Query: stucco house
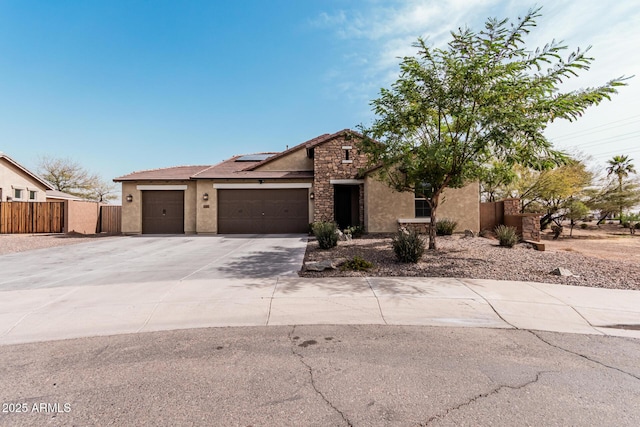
[19, 184]
[320, 179]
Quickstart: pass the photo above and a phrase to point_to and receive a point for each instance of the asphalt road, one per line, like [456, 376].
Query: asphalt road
[324, 376]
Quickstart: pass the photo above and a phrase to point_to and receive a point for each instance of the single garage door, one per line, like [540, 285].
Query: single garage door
[263, 211]
[162, 212]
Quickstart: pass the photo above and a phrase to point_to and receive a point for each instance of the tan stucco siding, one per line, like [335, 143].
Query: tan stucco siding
[294, 161]
[12, 178]
[384, 206]
[190, 208]
[462, 205]
[132, 211]
[207, 210]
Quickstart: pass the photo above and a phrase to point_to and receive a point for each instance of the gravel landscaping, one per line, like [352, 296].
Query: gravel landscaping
[11, 243]
[478, 258]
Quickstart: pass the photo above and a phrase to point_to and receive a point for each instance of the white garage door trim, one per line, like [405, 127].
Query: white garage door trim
[161, 187]
[260, 186]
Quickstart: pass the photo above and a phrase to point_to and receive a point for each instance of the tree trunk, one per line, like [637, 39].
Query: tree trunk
[433, 204]
[620, 195]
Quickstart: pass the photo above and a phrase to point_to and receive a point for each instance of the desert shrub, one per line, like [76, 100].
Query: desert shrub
[445, 227]
[626, 224]
[637, 226]
[326, 233]
[584, 226]
[408, 246]
[507, 236]
[357, 264]
[354, 231]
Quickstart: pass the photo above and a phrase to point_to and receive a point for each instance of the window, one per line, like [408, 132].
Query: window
[33, 195]
[422, 208]
[17, 193]
[347, 154]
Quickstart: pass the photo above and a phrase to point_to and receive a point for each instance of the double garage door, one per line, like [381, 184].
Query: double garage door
[263, 211]
[239, 211]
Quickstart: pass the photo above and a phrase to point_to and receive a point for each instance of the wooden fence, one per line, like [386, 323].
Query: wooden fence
[491, 214]
[110, 219]
[31, 217]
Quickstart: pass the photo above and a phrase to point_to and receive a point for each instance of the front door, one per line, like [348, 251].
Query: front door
[347, 205]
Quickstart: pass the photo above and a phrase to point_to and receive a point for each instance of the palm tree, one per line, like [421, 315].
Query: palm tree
[622, 167]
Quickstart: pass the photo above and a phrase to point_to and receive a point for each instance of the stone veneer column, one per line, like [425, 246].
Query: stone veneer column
[328, 165]
[511, 206]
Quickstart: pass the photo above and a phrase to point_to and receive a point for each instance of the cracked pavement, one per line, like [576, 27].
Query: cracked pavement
[359, 375]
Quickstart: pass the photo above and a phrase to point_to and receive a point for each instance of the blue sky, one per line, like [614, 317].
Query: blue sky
[128, 85]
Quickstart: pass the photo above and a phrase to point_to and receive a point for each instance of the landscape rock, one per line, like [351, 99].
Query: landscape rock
[325, 264]
[561, 271]
[469, 233]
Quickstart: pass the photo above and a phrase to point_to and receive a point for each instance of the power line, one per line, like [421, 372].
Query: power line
[622, 137]
[571, 135]
[608, 128]
[616, 152]
[605, 139]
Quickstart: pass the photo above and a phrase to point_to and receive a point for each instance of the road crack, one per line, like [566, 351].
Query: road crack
[377, 300]
[312, 378]
[583, 356]
[482, 396]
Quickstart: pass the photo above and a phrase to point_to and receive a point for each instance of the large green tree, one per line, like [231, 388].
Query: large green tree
[483, 97]
[621, 167]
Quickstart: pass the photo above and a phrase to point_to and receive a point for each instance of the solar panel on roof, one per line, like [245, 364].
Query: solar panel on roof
[253, 158]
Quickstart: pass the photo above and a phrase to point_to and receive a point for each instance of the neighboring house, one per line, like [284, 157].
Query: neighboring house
[321, 179]
[18, 184]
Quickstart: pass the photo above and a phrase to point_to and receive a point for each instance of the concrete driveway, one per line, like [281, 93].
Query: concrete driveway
[144, 259]
[131, 284]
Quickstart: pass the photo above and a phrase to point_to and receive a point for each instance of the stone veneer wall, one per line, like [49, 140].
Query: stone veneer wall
[328, 165]
[511, 206]
[527, 225]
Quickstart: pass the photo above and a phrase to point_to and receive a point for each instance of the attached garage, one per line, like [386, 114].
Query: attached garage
[263, 211]
[163, 212]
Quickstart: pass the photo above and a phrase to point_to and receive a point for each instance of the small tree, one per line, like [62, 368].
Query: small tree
[550, 191]
[482, 98]
[575, 211]
[608, 198]
[70, 177]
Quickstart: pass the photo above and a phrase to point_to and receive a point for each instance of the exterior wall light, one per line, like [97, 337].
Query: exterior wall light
[129, 198]
[205, 196]
[312, 196]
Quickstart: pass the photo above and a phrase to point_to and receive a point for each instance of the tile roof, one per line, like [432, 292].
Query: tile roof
[307, 144]
[230, 169]
[233, 169]
[55, 194]
[173, 173]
